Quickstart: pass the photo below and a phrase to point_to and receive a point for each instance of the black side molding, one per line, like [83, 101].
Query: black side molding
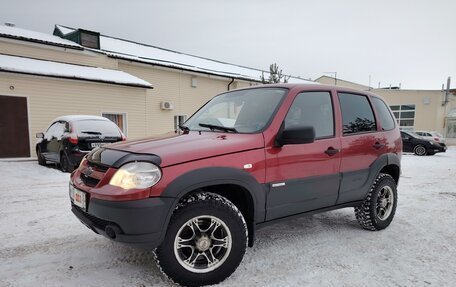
[311, 212]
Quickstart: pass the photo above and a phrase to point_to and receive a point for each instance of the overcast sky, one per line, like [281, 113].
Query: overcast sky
[411, 42]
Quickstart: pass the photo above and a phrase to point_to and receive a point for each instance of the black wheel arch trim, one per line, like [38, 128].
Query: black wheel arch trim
[355, 185]
[212, 176]
[387, 159]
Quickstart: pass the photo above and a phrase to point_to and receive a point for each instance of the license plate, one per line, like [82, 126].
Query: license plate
[93, 145]
[78, 197]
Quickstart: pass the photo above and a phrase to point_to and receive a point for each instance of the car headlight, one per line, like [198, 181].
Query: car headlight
[84, 159]
[136, 175]
[431, 143]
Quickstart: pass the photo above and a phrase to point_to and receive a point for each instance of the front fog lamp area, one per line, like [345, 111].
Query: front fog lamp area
[136, 175]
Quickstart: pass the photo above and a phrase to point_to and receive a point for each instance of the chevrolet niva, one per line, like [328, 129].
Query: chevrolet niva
[247, 158]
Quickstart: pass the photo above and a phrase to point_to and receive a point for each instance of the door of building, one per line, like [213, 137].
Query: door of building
[14, 130]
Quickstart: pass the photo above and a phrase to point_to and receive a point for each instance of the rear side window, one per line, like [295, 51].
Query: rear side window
[56, 131]
[312, 109]
[357, 114]
[96, 127]
[384, 115]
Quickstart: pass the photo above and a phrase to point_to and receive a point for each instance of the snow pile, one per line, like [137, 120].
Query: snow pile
[42, 241]
[49, 68]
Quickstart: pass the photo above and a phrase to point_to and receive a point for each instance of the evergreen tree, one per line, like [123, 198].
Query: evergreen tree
[275, 75]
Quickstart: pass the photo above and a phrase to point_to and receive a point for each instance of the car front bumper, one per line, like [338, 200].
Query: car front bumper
[140, 223]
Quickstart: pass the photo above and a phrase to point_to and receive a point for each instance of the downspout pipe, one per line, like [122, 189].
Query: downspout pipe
[232, 81]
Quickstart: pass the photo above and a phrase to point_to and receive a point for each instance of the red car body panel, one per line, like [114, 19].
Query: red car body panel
[181, 153]
[272, 181]
[178, 148]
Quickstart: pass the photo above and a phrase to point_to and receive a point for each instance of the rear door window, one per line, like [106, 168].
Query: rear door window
[357, 114]
[55, 131]
[97, 127]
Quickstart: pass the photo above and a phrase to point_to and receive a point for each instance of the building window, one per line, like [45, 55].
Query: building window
[179, 120]
[120, 119]
[451, 128]
[405, 116]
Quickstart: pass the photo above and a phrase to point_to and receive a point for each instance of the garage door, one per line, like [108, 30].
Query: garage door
[14, 131]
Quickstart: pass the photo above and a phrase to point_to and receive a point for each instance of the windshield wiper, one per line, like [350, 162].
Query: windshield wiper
[185, 129]
[220, 128]
[91, 133]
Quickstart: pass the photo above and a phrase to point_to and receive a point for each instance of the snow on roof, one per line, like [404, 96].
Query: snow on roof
[54, 69]
[27, 35]
[154, 55]
[65, 30]
[133, 51]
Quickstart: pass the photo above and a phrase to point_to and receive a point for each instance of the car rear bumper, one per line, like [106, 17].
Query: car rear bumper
[140, 223]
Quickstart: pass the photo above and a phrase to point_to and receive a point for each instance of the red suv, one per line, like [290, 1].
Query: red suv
[246, 159]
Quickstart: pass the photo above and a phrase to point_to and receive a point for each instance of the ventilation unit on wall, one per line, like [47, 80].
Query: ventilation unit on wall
[166, 106]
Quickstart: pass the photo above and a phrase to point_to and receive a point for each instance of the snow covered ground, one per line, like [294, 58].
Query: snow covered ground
[43, 244]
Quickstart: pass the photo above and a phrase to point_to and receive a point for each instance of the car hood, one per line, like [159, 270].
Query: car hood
[178, 148]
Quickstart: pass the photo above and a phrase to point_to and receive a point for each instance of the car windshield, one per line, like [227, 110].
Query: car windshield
[243, 111]
[96, 127]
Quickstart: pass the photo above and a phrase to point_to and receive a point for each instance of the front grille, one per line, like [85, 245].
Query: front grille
[93, 173]
[97, 167]
[97, 222]
[89, 181]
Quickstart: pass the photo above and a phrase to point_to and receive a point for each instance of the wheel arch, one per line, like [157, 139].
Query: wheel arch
[357, 184]
[393, 167]
[238, 186]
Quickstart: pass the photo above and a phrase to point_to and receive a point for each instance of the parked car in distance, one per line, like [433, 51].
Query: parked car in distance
[432, 135]
[69, 138]
[246, 159]
[411, 142]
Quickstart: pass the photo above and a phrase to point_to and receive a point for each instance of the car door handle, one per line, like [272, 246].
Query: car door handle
[331, 151]
[378, 145]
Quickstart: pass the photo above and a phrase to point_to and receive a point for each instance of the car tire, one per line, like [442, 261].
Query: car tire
[41, 159]
[205, 241]
[65, 164]
[378, 208]
[420, 150]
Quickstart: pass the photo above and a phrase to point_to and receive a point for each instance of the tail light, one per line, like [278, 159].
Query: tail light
[73, 139]
[437, 139]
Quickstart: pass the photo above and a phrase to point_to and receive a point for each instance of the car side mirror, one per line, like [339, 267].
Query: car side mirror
[295, 135]
[39, 135]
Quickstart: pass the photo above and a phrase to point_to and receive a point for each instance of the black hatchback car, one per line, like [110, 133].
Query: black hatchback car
[414, 143]
[69, 138]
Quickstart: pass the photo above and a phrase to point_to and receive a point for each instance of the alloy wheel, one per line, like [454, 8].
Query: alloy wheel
[385, 202]
[202, 244]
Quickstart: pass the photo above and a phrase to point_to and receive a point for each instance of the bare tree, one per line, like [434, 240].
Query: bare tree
[275, 75]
